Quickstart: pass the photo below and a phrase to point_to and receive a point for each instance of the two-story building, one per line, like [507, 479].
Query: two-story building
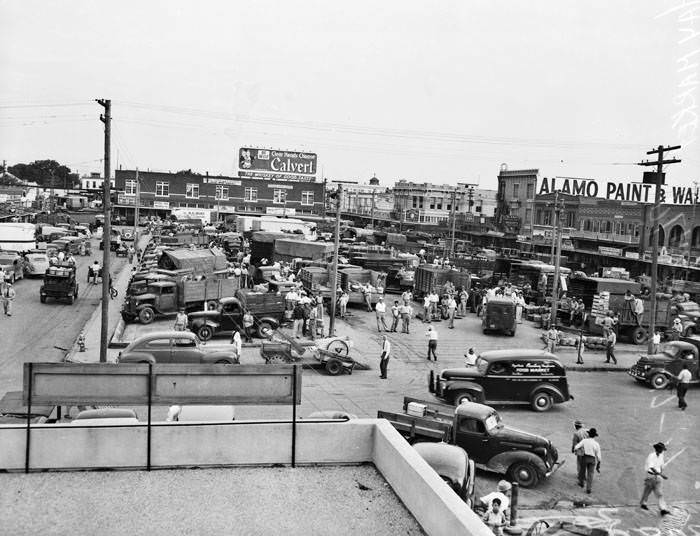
[93, 182]
[372, 199]
[159, 194]
[515, 199]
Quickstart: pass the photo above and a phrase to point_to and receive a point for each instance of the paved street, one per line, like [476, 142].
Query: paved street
[45, 332]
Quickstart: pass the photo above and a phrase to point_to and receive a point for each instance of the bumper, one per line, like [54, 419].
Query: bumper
[554, 468]
[635, 373]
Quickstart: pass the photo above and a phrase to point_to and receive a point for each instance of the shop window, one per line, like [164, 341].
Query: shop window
[129, 187]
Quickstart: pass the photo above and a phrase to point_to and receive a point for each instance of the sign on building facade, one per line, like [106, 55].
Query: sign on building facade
[273, 164]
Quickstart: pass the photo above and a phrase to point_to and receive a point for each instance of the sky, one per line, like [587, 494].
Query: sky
[440, 92]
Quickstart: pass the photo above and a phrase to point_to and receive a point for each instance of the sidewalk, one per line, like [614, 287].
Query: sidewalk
[93, 326]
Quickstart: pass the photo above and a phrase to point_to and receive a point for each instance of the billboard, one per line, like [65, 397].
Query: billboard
[269, 163]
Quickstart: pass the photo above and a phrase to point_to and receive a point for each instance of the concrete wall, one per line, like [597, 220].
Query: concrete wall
[59, 447]
[434, 505]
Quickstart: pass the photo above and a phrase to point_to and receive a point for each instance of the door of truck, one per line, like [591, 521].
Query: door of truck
[471, 436]
[231, 317]
[167, 299]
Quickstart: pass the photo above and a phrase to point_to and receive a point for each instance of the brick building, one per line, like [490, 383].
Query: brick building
[161, 193]
[515, 199]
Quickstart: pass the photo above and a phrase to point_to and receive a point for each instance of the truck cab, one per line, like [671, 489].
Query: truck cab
[658, 370]
[160, 298]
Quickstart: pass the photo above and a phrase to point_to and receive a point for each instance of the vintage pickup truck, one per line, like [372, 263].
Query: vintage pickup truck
[525, 457]
[659, 370]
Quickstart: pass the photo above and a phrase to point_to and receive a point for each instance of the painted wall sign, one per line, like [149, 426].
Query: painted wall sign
[617, 190]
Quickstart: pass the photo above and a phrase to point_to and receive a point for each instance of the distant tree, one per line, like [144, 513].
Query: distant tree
[45, 173]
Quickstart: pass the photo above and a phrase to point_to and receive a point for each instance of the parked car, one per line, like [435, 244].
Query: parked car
[499, 316]
[36, 264]
[658, 370]
[105, 416]
[11, 266]
[453, 465]
[534, 377]
[174, 347]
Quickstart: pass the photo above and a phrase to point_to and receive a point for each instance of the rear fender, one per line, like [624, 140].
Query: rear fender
[476, 390]
[274, 322]
[199, 322]
[556, 393]
[501, 462]
[216, 356]
[137, 357]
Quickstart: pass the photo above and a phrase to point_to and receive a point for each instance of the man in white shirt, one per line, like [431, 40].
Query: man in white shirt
[451, 311]
[683, 381]
[432, 342]
[590, 449]
[470, 357]
[426, 308]
[380, 311]
[434, 300]
[384, 358]
[653, 468]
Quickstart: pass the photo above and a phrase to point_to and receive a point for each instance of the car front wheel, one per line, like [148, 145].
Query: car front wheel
[461, 396]
[659, 381]
[524, 473]
[205, 333]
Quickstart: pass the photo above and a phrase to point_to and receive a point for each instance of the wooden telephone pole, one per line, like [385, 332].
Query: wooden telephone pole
[660, 150]
[106, 118]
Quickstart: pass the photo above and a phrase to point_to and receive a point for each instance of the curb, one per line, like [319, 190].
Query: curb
[117, 334]
[594, 368]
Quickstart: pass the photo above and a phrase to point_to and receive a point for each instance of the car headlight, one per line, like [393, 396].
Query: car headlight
[647, 367]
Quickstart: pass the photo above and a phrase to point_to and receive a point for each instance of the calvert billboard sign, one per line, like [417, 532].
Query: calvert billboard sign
[269, 163]
[640, 192]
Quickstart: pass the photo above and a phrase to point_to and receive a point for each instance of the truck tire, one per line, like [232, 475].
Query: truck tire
[212, 305]
[688, 332]
[71, 299]
[541, 401]
[146, 315]
[265, 330]
[659, 381]
[205, 333]
[462, 396]
[42, 298]
[524, 473]
[639, 335]
[334, 367]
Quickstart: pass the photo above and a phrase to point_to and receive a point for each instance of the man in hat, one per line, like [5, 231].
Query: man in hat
[502, 493]
[580, 433]
[653, 468]
[380, 311]
[590, 450]
[432, 342]
[8, 298]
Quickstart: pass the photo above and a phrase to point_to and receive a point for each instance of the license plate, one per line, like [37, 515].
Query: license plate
[493, 326]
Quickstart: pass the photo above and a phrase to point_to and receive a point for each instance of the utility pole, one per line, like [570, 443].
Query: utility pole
[372, 209]
[554, 226]
[454, 218]
[655, 228]
[106, 118]
[334, 273]
[137, 199]
[557, 260]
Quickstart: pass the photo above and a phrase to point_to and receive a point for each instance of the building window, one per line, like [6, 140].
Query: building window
[516, 190]
[192, 191]
[250, 194]
[130, 187]
[307, 198]
[530, 190]
[570, 219]
[279, 196]
[162, 189]
[547, 217]
[221, 192]
[439, 203]
[538, 221]
[432, 203]
[606, 227]
[528, 215]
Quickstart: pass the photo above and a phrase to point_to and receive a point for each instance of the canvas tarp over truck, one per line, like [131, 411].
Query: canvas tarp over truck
[289, 248]
[199, 260]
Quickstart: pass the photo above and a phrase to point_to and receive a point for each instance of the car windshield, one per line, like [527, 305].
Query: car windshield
[671, 350]
[493, 422]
